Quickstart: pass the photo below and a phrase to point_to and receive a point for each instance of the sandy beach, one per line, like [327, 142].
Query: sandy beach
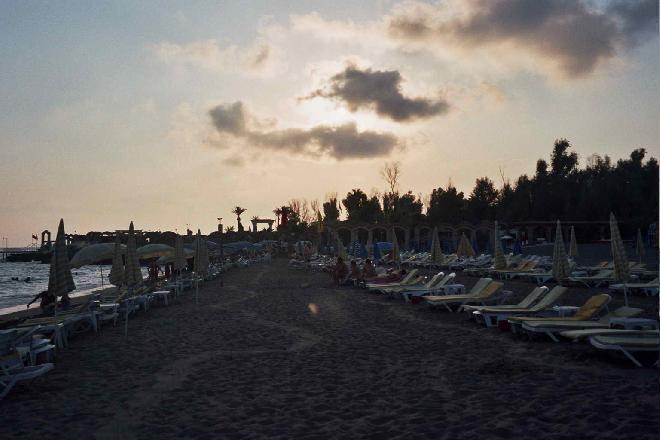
[277, 353]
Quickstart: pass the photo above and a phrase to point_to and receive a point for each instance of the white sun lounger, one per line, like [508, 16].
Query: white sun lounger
[13, 371]
[628, 344]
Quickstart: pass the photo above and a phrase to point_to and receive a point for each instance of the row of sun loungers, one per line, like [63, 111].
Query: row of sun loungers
[538, 313]
[22, 346]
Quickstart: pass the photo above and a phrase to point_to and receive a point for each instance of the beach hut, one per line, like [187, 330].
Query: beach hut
[499, 261]
[60, 280]
[639, 246]
[572, 247]
[132, 272]
[619, 257]
[560, 267]
[116, 276]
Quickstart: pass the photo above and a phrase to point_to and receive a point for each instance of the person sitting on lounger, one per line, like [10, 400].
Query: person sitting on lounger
[46, 304]
[368, 271]
[340, 272]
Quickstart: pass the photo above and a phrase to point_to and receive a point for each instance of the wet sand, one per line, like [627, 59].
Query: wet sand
[277, 353]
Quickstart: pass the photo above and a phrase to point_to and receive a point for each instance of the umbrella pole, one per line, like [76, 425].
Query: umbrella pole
[101, 268]
[625, 294]
[196, 289]
[128, 302]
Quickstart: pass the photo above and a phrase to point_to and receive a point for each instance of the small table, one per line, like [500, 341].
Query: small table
[162, 294]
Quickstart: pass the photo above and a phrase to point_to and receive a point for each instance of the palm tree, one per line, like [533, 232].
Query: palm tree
[277, 212]
[238, 211]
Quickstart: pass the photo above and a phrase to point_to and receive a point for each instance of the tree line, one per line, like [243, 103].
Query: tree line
[559, 189]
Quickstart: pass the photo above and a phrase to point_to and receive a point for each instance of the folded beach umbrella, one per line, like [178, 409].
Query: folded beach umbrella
[619, 257]
[116, 276]
[639, 246]
[341, 249]
[396, 254]
[94, 254]
[133, 273]
[179, 254]
[60, 280]
[464, 247]
[499, 261]
[572, 247]
[560, 266]
[201, 263]
[370, 247]
[154, 250]
[436, 250]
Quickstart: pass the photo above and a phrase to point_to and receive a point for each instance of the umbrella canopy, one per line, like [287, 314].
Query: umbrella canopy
[436, 250]
[639, 246]
[116, 276]
[498, 255]
[132, 274]
[464, 247]
[60, 280]
[572, 247]
[201, 255]
[154, 250]
[560, 267]
[396, 254]
[171, 258]
[94, 254]
[621, 268]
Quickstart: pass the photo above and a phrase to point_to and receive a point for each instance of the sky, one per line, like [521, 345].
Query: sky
[170, 113]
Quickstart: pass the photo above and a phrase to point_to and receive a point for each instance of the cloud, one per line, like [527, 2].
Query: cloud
[638, 19]
[234, 161]
[209, 55]
[379, 90]
[339, 142]
[574, 36]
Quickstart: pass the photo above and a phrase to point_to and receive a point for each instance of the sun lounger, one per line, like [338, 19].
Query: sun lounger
[476, 289]
[585, 312]
[628, 344]
[602, 277]
[534, 296]
[583, 334]
[651, 288]
[552, 327]
[425, 286]
[408, 279]
[26, 342]
[492, 315]
[12, 371]
[407, 295]
[487, 294]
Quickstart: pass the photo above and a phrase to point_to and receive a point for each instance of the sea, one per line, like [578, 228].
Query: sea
[20, 282]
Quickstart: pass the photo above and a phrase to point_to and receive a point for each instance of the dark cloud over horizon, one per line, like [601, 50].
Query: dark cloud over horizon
[569, 32]
[379, 90]
[339, 142]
